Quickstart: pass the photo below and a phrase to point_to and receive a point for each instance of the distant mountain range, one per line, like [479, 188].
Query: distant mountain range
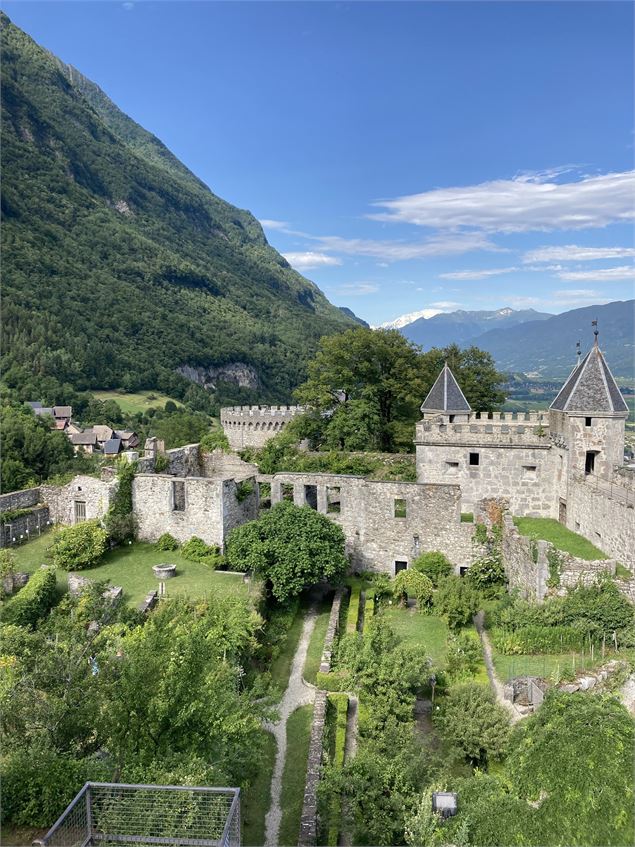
[533, 342]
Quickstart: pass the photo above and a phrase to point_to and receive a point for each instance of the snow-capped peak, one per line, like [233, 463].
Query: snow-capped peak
[404, 320]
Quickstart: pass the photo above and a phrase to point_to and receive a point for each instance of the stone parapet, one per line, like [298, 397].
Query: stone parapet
[501, 429]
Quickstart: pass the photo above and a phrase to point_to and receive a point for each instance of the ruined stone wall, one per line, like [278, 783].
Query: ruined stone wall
[20, 499]
[223, 465]
[97, 494]
[188, 506]
[375, 537]
[524, 475]
[185, 461]
[605, 514]
[253, 426]
[26, 526]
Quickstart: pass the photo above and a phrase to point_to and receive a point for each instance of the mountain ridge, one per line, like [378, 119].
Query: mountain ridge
[461, 326]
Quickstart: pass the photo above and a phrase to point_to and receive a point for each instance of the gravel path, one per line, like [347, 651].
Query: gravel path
[298, 693]
[491, 672]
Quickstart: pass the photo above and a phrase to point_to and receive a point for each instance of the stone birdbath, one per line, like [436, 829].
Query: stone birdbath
[163, 572]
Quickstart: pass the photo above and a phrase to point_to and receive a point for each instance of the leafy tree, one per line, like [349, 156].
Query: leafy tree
[457, 599]
[292, 547]
[78, 547]
[411, 582]
[355, 425]
[181, 427]
[378, 369]
[574, 757]
[474, 723]
[434, 565]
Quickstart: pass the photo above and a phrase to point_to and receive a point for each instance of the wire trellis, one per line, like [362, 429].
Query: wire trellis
[107, 813]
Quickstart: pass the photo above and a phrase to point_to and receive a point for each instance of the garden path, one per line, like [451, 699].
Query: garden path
[298, 693]
[491, 672]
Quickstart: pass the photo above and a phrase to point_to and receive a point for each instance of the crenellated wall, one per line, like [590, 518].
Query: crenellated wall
[253, 426]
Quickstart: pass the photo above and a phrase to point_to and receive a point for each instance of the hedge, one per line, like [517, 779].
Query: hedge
[537, 639]
[369, 611]
[33, 601]
[333, 681]
[340, 701]
[353, 608]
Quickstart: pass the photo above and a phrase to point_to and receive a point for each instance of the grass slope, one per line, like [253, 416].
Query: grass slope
[294, 774]
[131, 403]
[562, 538]
[255, 799]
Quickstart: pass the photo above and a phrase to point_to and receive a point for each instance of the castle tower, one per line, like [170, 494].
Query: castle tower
[588, 417]
[445, 398]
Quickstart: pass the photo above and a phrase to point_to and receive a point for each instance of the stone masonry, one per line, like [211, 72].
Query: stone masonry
[253, 426]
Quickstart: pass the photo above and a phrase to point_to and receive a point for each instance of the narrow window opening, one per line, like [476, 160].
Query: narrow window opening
[475, 459]
[463, 570]
[178, 495]
[451, 418]
[588, 421]
[400, 565]
[452, 466]
[400, 508]
[589, 462]
[529, 471]
[333, 499]
[310, 495]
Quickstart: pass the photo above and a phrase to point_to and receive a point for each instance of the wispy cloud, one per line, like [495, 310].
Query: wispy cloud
[306, 261]
[586, 293]
[446, 305]
[394, 251]
[479, 274]
[357, 289]
[522, 204]
[573, 253]
[624, 272]
[267, 223]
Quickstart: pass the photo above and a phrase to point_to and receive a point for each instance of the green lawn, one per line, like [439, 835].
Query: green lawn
[131, 567]
[281, 666]
[136, 401]
[255, 800]
[562, 538]
[427, 630]
[294, 775]
[316, 644]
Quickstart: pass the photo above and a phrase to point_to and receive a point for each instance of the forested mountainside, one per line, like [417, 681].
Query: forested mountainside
[120, 265]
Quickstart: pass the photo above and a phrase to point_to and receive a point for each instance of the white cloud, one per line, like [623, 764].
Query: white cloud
[267, 223]
[396, 251]
[481, 274]
[573, 253]
[305, 261]
[522, 204]
[446, 305]
[624, 272]
[357, 289]
[586, 293]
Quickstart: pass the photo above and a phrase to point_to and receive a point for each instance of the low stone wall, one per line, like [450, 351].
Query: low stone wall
[308, 821]
[331, 631]
[19, 499]
[26, 526]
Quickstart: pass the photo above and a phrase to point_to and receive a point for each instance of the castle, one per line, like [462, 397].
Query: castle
[564, 464]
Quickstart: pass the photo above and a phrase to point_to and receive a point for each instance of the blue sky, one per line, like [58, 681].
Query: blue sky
[404, 156]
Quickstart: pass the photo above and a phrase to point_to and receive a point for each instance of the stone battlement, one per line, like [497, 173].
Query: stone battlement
[253, 426]
[504, 429]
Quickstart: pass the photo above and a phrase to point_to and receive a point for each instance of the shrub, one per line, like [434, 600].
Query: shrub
[457, 599]
[244, 489]
[487, 572]
[167, 542]
[78, 547]
[215, 440]
[415, 584]
[538, 639]
[434, 565]
[161, 463]
[476, 726]
[196, 550]
[33, 601]
[333, 681]
[7, 562]
[120, 528]
[464, 656]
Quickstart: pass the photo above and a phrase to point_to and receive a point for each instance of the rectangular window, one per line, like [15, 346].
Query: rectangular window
[452, 466]
[310, 495]
[178, 495]
[400, 508]
[475, 459]
[333, 501]
[589, 462]
[287, 491]
[80, 511]
[588, 421]
[400, 565]
[529, 471]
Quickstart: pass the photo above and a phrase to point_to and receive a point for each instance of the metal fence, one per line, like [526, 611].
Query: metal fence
[108, 813]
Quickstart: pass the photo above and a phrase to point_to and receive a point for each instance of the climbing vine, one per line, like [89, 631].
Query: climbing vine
[119, 521]
[555, 567]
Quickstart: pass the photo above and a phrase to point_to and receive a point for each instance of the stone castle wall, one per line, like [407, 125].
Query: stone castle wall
[604, 513]
[20, 499]
[26, 526]
[497, 429]
[253, 426]
[97, 494]
[188, 506]
[375, 537]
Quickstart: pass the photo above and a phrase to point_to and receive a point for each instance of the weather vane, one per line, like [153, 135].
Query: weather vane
[596, 331]
[578, 350]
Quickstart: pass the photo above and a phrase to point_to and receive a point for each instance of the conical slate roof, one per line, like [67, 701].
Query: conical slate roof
[445, 395]
[590, 387]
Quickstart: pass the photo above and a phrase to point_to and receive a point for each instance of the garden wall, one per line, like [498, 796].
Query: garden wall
[25, 527]
[19, 499]
[606, 516]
